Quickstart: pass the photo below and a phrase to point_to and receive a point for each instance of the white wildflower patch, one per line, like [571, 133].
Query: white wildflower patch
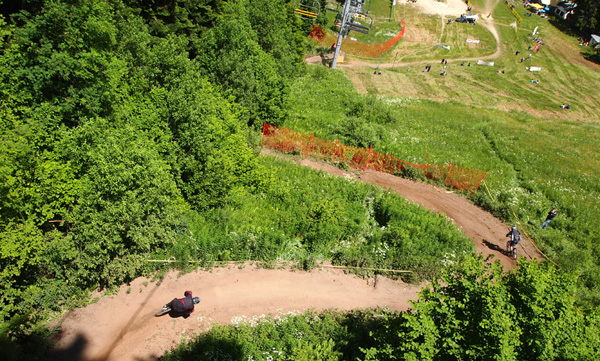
[401, 102]
[278, 319]
[449, 259]
[381, 250]
[413, 140]
[349, 178]
[272, 354]
[311, 320]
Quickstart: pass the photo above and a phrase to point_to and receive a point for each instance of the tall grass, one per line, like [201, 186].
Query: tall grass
[307, 215]
[331, 335]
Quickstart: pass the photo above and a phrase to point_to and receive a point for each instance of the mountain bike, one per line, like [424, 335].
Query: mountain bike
[513, 253]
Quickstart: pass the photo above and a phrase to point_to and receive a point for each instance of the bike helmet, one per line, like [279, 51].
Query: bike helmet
[187, 293]
[196, 300]
[514, 227]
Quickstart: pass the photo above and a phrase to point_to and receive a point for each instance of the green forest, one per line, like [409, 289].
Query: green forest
[130, 131]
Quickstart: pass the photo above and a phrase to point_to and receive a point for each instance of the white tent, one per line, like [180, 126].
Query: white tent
[481, 62]
[595, 39]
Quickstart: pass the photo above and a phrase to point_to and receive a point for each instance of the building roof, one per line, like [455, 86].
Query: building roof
[567, 5]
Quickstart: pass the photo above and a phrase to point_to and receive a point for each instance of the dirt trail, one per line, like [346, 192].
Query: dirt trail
[122, 327]
[486, 231]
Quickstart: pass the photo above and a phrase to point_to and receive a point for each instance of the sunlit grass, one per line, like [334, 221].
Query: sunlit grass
[534, 163]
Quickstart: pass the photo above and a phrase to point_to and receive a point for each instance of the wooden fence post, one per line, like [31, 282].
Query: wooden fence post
[368, 156]
[263, 132]
[307, 146]
[335, 150]
[448, 176]
[425, 170]
[476, 188]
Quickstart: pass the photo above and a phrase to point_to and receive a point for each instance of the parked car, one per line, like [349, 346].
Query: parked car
[464, 19]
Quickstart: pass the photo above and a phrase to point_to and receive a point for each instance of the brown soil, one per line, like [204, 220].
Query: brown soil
[123, 326]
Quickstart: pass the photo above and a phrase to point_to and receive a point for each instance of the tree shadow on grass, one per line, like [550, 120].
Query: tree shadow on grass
[595, 58]
[207, 347]
[22, 338]
[350, 333]
[567, 27]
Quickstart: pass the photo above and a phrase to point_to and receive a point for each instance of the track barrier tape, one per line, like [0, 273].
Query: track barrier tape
[322, 266]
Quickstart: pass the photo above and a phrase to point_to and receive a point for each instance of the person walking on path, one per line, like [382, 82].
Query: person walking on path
[549, 217]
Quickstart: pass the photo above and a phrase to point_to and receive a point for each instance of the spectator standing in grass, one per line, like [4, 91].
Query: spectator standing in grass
[549, 217]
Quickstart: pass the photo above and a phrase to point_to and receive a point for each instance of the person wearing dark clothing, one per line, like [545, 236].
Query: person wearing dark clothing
[515, 237]
[549, 217]
[184, 305]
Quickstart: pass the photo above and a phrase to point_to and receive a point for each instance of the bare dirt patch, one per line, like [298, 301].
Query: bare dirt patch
[434, 7]
[123, 326]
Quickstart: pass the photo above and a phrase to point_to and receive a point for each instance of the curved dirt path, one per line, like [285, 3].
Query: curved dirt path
[487, 232]
[122, 326]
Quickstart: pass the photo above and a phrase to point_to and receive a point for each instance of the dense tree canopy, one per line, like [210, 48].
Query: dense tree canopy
[477, 312]
[587, 16]
[252, 52]
[111, 131]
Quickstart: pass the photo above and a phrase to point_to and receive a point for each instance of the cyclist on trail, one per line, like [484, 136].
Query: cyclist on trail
[515, 237]
[183, 306]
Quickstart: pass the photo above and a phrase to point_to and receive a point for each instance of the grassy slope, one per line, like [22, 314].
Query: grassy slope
[565, 77]
[538, 158]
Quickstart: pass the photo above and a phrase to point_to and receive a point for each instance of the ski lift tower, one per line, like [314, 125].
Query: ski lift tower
[353, 12]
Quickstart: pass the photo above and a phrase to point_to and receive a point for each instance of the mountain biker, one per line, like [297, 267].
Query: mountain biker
[515, 237]
[183, 306]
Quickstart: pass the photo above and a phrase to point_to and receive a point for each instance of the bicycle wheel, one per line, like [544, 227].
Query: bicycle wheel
[508, 251]
[163, 311]
[515, 252]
